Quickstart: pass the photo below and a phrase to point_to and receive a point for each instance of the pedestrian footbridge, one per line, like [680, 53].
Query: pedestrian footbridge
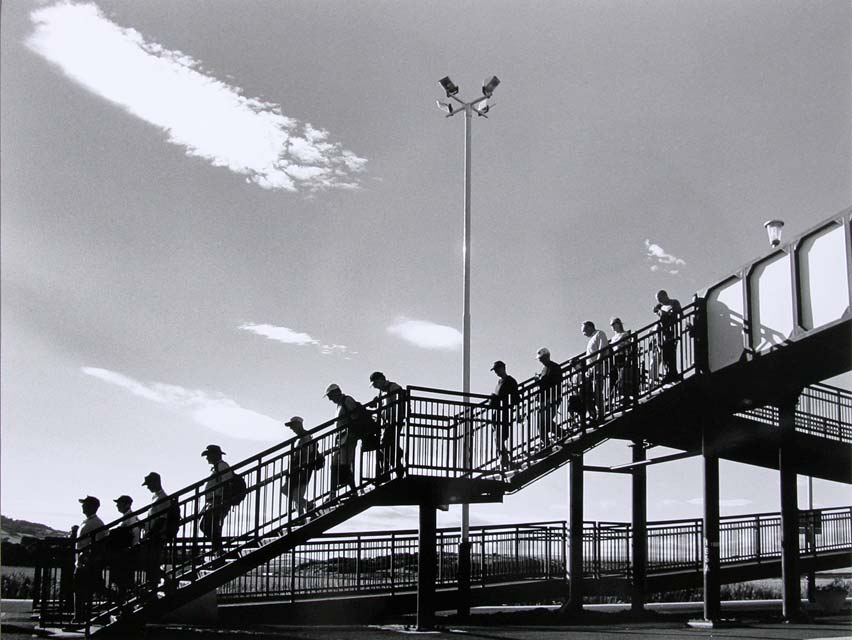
[367, 575]
[752, 353]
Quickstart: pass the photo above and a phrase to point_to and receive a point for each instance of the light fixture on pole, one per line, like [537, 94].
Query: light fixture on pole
[774, 229]
[480, 106]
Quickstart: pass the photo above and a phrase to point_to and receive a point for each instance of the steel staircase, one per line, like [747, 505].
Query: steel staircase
[451, 452]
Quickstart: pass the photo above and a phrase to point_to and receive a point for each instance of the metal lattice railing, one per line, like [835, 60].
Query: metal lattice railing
[386, 562]
[822, 410]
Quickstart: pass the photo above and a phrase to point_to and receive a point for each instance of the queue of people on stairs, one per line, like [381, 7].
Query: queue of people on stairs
[140, 544]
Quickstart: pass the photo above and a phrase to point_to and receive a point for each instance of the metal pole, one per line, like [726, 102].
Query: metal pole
[787, 458]
[464, 548]
[811, 541]
[639, 490]
[426, 565]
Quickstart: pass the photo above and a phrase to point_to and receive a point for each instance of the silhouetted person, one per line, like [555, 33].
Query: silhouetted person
[349, 414]
[88, 558]
[303, 462]
[155, 529]
[503, 401]
[124, 544]
[549, 380]
[594, 368]
[215, 507]
[623, 373]
[390, 409]
[669, 311]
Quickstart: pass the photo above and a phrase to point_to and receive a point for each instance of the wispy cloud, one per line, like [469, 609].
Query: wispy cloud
[208, 118]
[291, 336]
[660, 260]
[213, 411]
[427, 335]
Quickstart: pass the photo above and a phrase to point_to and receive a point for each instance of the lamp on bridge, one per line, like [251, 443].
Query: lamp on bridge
[774, 229]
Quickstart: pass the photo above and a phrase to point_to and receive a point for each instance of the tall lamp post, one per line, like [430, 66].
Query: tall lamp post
[480, 107]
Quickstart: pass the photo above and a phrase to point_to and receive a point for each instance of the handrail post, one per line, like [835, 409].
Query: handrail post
[358, 563]
[517, 543]
[393, 564]
[257, 500]
[293, 575]
[757, 544]
[482, 559]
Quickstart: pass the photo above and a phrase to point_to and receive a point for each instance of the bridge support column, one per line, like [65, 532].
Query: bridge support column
[639, 542]
[463, 608]
[426, 568]
[575, 559]
[712, 582]
[789, 513]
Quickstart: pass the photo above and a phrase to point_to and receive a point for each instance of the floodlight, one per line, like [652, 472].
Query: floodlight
[484, 107]
[773, 229]
[489, 86]
[448, 85]
[446, 107]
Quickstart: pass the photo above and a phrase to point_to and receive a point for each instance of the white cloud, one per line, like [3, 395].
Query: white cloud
[213, 411]
[209, 118]
[660, 260]
[280, 334]
[290, 336]
[427, 335]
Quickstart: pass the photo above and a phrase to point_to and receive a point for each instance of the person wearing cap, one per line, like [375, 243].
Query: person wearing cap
[124, 505]
[88, 560]
[123, 543]
[623, 372]
[215, 509]
[549, 380]
[390, 408]
[595, 363]
[669, 311]
[304, 460]
[504, 398]
[350, 413]
[154, 529]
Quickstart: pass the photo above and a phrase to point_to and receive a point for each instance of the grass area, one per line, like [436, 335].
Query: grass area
[16, 582]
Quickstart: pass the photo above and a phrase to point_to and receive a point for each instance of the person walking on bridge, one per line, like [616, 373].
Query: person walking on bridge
[155, 529]
[88, 559]
[503, 401]
[669, 311]
[215, 508]
[124, 544]
[595, 363]
[549, 381]
[390, 409]
[305, 460]
[623, 372]
[350, 413]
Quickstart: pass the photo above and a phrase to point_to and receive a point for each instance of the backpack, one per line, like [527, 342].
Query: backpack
[172, 520]
[234, 491]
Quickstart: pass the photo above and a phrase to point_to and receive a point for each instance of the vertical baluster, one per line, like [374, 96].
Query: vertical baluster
[358, 563]
[393, 564]
[257, 501]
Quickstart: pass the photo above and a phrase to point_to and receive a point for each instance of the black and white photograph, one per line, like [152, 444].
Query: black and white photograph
[509, 319]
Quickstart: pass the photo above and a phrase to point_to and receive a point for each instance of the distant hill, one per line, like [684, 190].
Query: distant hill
[12, 530]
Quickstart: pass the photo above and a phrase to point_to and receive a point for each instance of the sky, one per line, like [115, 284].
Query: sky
[211, 211]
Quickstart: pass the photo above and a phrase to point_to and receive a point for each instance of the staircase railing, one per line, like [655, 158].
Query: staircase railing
[386, 561]
[452, 434]
[287, 485]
